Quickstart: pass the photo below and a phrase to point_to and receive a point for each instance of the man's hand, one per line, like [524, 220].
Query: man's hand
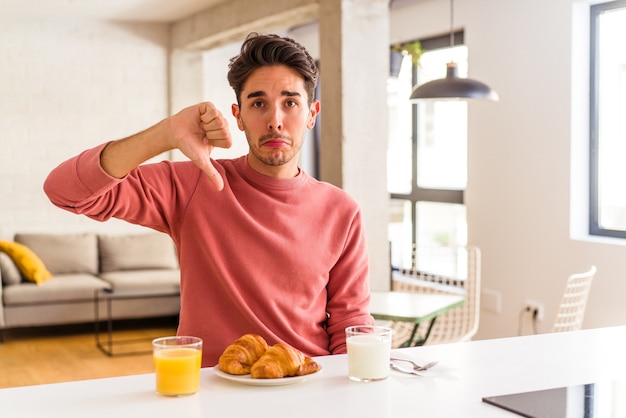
[196, 131]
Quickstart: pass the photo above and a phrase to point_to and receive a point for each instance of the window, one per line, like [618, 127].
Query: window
[607, 211]
[427, 156]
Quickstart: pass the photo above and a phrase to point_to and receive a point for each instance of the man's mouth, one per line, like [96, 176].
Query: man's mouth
[274, 141]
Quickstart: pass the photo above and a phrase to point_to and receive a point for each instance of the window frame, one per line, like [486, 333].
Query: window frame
[595, 228]
[419, 194]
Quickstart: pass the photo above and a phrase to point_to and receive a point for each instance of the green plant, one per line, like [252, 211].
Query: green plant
[414, 49]
[442, 238]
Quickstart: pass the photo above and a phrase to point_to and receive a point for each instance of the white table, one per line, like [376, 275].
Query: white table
[467, 372]
[412, 307]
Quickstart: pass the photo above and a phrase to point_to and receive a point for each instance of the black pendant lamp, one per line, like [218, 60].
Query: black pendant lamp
[453, 87]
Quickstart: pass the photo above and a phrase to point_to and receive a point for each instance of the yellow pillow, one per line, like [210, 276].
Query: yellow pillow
[31, 266]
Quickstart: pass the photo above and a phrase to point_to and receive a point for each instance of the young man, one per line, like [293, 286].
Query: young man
[263, 247]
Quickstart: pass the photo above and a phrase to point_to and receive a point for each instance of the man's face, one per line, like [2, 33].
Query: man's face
[275, 116]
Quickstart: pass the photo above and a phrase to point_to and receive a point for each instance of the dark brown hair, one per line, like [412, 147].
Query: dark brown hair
[264, 50]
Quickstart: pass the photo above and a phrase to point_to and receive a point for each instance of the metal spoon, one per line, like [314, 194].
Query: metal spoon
[403, 370]
[415, 365]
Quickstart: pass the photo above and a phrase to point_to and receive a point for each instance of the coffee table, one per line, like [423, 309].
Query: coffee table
[111, 295]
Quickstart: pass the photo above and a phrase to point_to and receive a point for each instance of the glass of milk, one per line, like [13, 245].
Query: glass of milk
[369, 349]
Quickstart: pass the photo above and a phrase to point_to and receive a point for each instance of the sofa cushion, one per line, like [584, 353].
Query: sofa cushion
[148, 281]
[8, 270]
[136, 252]
[29, 264]
[60, 288]
[64, 253]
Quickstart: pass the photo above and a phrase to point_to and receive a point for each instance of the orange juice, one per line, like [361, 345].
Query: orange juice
[177, 370]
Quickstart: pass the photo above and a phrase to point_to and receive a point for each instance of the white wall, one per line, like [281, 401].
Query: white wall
[66, 86]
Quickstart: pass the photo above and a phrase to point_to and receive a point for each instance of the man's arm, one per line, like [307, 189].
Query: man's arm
[195, 131]
[348, 288]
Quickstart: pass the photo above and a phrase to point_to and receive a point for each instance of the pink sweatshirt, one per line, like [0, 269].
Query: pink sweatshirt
[285, 259]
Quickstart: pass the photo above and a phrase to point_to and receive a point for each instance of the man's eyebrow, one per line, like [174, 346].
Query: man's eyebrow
[253, 94]
[261, 93]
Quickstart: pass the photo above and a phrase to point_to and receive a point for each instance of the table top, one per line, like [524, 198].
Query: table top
[466, 373]
[137, 292]
[411, 306]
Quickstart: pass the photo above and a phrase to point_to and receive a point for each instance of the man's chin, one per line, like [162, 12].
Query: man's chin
[275, 158]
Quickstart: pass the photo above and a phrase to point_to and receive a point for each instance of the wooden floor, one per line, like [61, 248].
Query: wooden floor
[59, 354]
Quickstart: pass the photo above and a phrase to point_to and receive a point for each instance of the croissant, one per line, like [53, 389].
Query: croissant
[282, 360]
[238, 357]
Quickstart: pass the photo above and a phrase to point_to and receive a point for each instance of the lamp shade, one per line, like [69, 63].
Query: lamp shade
[453, 88]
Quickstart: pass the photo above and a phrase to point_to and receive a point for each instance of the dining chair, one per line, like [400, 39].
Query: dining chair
[444, 270]
[569, 316]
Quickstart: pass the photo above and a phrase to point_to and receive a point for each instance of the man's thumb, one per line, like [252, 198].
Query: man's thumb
[214, 176]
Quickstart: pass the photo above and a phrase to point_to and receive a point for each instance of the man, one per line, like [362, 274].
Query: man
[263, 247]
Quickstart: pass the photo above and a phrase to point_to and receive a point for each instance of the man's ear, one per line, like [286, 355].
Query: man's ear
[237, 114]
[314, 110]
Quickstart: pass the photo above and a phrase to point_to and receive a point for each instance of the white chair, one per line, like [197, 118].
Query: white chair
[445, 270]
[571, 311]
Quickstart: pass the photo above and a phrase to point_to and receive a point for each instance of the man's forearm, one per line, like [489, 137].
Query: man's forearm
[120, 157]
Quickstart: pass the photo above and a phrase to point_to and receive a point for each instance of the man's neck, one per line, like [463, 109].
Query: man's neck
[283, 171]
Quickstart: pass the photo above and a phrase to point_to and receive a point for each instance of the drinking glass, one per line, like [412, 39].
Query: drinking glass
[177, 362]
[369, 350]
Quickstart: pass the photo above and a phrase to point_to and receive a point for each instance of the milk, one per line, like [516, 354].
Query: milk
[368, 356]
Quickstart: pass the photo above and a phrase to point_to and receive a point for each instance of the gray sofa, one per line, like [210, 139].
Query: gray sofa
[80, 265]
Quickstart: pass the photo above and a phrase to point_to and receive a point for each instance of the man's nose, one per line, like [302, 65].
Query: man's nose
[275, 120]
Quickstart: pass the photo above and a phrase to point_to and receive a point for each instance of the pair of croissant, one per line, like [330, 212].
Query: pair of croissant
[250, 353]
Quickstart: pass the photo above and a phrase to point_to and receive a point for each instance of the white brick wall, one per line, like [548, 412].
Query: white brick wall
[66, 86]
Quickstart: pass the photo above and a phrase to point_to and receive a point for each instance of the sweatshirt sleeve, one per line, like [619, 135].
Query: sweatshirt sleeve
[78, 180]
[348, 288]
[80, 185]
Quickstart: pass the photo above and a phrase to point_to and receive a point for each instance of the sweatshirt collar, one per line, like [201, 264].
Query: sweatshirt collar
[263, 181]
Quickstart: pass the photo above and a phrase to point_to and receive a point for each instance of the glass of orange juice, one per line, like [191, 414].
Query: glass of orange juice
[177, 365]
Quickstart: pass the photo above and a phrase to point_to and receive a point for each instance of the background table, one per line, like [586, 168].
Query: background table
[412, 307]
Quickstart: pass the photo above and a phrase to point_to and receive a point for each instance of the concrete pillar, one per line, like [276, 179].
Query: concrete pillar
[186, 79]
[354, 54]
